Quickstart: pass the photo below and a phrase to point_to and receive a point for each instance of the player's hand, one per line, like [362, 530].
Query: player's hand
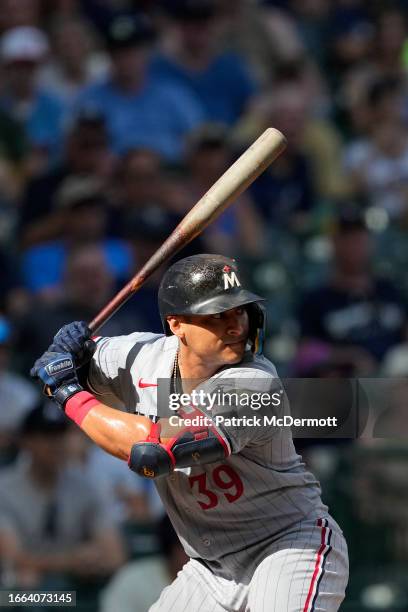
[74, 338]
[58, 374]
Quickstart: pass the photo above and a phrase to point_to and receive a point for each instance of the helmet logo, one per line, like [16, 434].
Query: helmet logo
[230, 278]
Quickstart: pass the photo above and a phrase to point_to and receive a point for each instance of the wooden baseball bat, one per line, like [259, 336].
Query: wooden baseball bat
[231, 184]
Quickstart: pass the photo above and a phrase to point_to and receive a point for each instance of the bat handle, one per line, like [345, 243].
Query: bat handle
[47, 391]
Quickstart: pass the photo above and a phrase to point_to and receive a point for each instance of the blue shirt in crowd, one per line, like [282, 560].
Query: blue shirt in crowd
[158, 116]
[224, 87]
[43, 265]
[42, 120]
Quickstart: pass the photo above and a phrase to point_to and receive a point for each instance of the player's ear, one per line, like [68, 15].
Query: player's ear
[176, 325]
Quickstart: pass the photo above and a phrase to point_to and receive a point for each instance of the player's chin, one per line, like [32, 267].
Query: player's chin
[233, 353]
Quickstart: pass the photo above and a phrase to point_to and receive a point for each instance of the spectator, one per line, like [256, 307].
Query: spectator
[74, 62]
[290, 102]
[10, 280]
[354, 308]
[127, 590]
[146, 214]
[377, 165]
[220, 80]
[86, 153]
[14, 298]
[12, 140]
[382, 59]
[16, 13]
[102, 13]
[141, 110]
[128, 494]
[54, 523]
[370, 106]
[312, 19]
[391, 421]
[152, 201]
[350, 43]
[86, 286]
[395, 361]
[266, 37]
[334, 395]
[209, 155]
[84, 217]
[18, 396]
[317, 359]
[12, 152]
[22, 49]
[390, 36]
[374, 503]
[285, 193]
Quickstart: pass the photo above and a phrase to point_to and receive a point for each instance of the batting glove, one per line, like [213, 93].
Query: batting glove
[74, 338]
[57, 372]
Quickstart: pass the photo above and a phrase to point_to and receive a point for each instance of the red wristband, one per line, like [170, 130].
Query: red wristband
[78, 406]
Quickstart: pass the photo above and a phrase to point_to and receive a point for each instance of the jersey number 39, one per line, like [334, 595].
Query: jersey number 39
[224, 478]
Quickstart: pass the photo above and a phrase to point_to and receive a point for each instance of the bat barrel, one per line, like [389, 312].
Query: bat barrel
[236, 179]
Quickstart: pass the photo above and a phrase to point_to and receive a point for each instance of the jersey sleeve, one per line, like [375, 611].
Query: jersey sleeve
[109, 377]
[245, 402]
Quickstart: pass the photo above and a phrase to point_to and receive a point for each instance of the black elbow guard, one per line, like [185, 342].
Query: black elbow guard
[196, 445]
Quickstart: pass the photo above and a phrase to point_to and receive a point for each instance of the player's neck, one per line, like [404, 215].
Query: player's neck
[192, 367]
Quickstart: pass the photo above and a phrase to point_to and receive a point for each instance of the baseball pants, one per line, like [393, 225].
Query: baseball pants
[308, 573]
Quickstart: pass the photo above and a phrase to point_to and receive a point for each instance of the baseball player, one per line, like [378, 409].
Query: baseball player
[246, 510]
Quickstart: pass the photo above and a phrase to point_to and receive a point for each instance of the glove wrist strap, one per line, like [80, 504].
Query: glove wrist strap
[62, 394]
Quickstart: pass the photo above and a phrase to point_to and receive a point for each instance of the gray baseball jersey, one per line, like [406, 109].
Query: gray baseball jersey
[228, 513]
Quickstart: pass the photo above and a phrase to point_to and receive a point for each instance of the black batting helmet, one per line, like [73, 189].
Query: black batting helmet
[209, 284]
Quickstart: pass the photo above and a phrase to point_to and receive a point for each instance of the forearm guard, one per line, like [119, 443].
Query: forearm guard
[194, 445]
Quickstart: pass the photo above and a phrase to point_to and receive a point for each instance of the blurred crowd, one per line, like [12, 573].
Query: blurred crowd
[115, 117]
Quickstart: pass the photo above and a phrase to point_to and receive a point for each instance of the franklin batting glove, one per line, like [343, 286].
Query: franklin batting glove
[57, 372]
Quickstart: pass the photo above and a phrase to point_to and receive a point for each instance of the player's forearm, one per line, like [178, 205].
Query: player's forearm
[114, 431]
